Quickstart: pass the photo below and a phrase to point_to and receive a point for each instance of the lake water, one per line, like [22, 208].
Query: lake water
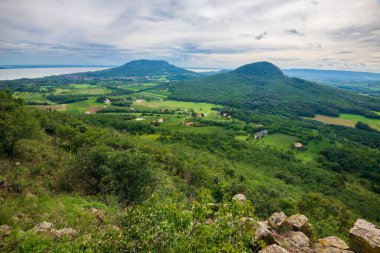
[12, 74]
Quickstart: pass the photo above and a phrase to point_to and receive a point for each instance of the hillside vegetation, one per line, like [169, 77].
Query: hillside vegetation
[124, 169]
[262, 86]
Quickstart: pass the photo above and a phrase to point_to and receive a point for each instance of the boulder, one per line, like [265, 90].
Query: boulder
[364, 237]
[331, 244]
[67, 233]
[263, 232]
[279, 222]
[240, 198]
[274, 249]
[332, 241]
[296, 242]
[5, 230]
[98, 214]
[299, 222]
[45, 228]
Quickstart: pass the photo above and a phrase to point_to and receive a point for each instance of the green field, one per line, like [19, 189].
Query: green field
[176, 105]
[348, 120]
[374, 123]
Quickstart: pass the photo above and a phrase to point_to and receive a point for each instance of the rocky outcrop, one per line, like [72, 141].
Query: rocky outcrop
[5, 230]
[47, 229]
[99, 215]
[240, 198]
[300, 222]
[274, 249]
[65, 233]
[264, 232]
[331, 244]
[294, 235]
[365, 237]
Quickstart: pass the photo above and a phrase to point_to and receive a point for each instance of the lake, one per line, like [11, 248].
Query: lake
[12, 74]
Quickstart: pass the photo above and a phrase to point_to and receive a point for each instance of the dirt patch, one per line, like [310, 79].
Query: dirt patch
[62, 107]
[335, 120]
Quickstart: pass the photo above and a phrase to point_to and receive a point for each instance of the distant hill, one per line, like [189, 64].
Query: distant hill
[141, 68]
[263, 86]
[317, 74]
[359, 82]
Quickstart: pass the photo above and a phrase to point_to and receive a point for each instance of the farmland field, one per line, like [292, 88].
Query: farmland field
[174, 105]
[348, 120]
[334, 120]
[374, 123]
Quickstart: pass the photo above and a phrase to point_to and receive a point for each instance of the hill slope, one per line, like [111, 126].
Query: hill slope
[265, 87]
[141, 68]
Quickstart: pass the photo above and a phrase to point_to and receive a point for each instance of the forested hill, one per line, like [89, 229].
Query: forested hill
[265, 87]
[141, 68]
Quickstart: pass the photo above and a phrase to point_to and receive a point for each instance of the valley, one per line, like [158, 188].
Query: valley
[126, 143]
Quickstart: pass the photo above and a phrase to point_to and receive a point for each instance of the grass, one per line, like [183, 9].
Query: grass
[374, 123]
[175, 105]
[83, 106]
[334, 120]
[280, 141]
[34, 97]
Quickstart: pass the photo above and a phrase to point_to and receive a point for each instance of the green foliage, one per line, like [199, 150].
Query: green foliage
[363, 126]
[262, 86]
[133, 176]
[172, 225]
[329, 216]
[16, 123]
[66, 99]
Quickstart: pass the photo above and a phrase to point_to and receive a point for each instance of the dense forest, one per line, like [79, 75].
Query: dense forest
[262, 86]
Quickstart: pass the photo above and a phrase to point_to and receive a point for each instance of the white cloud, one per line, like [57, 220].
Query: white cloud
[339, 34]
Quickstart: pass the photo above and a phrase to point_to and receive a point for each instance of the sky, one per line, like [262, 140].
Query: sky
[321, 34]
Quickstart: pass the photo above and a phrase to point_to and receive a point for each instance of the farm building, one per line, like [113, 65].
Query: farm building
[139, 100]
[298, 145]
[161, 120]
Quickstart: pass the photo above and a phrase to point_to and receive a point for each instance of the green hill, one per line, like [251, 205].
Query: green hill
[141, 68]
[264, 87]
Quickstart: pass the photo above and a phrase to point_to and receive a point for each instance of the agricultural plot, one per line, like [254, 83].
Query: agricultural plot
[176, 105]
[374, 123]
[348, 120]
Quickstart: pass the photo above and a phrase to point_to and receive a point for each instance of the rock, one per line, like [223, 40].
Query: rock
[331, 244]
[332, 241]
[274, 249]
[364, 237]
[240, 198]
[45, 228]
[296, 242]
[5, 230]
[299, 222]
[278, 221]
[67, 233]
[263, 232]
[98, 214]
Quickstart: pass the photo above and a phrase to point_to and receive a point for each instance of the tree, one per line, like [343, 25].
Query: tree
[363, 126]
[16, 123]
[133, 175]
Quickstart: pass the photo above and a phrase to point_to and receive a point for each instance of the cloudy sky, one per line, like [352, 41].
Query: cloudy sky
[324, 34]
